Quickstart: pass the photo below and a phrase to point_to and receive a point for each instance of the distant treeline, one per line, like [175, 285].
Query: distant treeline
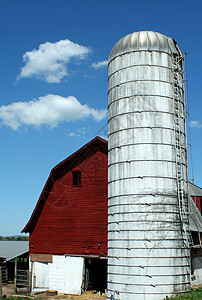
[14, 238]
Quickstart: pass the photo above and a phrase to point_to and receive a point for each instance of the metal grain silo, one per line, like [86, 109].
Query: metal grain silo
[148, 238]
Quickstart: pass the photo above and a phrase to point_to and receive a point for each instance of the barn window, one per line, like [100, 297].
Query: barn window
[76, 177]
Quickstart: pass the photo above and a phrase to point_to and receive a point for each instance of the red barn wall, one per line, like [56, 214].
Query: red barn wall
[197, 200]
[74, 218]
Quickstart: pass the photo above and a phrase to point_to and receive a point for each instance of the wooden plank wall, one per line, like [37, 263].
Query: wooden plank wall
[74, 218]
[198, 201]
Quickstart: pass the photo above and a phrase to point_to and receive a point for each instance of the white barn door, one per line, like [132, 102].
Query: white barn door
[64, 274]
[74, 274]
[41, 275]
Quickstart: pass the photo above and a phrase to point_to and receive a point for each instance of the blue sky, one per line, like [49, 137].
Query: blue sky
[53, 87]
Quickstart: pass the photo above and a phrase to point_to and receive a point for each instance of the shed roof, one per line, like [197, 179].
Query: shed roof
[12, 249]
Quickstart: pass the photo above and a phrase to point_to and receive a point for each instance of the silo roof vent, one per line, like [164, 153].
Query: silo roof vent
[144, 41]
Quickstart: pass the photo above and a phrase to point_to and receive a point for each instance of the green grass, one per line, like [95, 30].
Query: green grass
[193, 294]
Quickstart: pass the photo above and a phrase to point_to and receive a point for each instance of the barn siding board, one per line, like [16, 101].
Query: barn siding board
[197, 200]
[73, 219]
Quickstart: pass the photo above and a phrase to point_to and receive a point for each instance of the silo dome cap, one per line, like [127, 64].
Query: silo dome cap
[144, 41]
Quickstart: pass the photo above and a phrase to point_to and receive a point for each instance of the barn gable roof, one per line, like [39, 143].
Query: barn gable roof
[97, 144]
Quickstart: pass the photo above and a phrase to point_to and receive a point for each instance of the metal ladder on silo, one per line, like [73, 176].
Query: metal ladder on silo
[180, 146]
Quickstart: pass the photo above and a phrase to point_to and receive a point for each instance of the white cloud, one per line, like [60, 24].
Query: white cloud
[195, 124]
[78, 132]
[47, 110]
[72, 134]
[100, 64]
[50, 61]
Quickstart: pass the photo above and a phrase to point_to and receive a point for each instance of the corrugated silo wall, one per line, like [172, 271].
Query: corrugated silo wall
[148, 256]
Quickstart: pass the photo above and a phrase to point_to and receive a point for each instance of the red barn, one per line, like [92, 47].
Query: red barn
[68, 227]
[196, 193]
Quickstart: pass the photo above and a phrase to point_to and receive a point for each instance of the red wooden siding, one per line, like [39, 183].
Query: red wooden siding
[73, 219]
[198, 201]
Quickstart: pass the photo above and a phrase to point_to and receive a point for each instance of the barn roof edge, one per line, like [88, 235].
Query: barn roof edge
[42, 199]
